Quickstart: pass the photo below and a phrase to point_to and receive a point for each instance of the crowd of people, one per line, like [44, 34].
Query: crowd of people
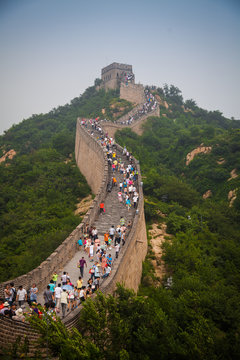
[149, 106]
[127, 77]
[63, 295]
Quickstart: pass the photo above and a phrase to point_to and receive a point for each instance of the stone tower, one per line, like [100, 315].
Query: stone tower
[114, 74]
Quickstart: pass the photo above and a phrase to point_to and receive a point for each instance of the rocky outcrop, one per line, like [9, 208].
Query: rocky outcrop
[199, 150]
[8, 155]
[232, 195]
[233, 174]
[207, 194]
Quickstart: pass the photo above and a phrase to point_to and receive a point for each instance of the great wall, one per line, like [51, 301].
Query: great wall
[92, 162]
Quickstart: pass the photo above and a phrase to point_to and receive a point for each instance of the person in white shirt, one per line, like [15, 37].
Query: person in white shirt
[57, 296]
[21, 296]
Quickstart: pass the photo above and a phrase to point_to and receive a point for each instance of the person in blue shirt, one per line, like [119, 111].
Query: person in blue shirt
[109, 260]
[52, 286]
[80, 243]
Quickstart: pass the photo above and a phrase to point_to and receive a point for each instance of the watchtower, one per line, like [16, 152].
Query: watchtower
[115, 73]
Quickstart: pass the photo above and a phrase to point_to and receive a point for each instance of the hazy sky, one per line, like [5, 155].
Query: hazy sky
[52, 50]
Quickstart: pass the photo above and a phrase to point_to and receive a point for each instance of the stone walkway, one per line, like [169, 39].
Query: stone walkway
[114, 210]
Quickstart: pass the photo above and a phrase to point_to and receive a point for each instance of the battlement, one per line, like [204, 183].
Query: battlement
[115, 73]
[117, 66]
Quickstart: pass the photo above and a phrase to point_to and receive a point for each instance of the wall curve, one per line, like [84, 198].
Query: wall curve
[92, 161]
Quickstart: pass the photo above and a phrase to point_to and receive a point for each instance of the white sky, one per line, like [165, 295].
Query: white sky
[52, 50]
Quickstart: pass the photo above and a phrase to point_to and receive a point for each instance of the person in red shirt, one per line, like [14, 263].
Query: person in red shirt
[1, 304]
[102, 208]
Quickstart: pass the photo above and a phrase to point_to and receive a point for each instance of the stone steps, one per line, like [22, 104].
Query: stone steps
[114, 209]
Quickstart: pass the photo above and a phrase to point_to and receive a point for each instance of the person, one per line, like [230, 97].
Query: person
[21, 296]
[104, 263]
[76, 297]
[122, 221]
[106, 236]
[57, 296]
[80, 244]
[64, 301]
[82, 263]
[71, 299]
[128, 204]
[79, 283]
[117, 248]
[107, 272]
[96, 270]
[55, 277]
[13, 293]
[111, 232]
[33, 293]
[48, 296]
[7, 292]
[114, 181]
[5, 307]
[91, 251]
[102, 207]
[120, 198]
[64, 278]
[82, 294]
[12, 311]
[135, 199]
[19, 315]
[109, 260]
[52, 286]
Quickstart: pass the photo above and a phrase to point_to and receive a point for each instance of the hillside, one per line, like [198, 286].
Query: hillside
[40, 184]
[190, 164]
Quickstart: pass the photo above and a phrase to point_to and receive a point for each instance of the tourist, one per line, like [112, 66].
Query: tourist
[80, 244]
[128, 204]
[19, 315]
[117, 248]
[4, 308]
[33, 293]
[64, 278]
[57, 296]
[122, 221]
[107, 272]
[48, 296]
[21, 296]
[64, 301]
[79, 283]
[52, 286]
[7, 292]
[82, 294]
[111, 232]
[102, 210]
[82, 263]
[55, 277]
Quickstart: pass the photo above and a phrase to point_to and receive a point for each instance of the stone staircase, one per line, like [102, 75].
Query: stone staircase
[114, 209]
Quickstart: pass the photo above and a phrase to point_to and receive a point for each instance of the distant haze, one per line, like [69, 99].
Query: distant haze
[51, 51]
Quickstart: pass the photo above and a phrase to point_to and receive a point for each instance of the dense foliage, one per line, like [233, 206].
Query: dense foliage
[203, 257]
[41, 185]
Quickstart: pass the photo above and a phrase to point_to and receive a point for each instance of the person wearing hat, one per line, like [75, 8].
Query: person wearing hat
[6, 307]
[19, 315]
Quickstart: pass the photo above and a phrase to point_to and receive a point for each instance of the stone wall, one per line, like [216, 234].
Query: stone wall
[136, 126]
[132, 92]
[127, 268]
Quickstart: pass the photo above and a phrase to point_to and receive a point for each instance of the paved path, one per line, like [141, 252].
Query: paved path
[114, 210]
